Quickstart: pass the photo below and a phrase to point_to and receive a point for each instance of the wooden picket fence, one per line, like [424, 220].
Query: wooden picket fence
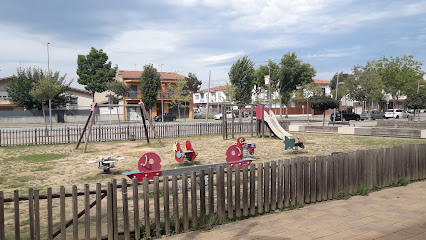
[167, 206]
[102, 133]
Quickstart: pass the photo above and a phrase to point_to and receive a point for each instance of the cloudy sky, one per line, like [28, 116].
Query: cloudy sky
[209, 35]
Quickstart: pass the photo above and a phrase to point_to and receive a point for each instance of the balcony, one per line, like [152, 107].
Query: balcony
[168, 95]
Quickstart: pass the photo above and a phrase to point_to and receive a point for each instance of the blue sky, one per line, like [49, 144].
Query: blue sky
[209, 35]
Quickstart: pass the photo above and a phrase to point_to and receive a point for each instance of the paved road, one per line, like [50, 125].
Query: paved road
[394, 213]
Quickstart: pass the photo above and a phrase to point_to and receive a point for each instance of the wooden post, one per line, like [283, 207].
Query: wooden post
[260, 188]
[202, 194]
[31, 211]
[62, 204]
[273, 185]
[185, 202]
[49, 214]
[98, 212]
[87, 211]
[92, 114]
[74, 213]
[266, 183]
[280, 184]
[211, 191]
[313, 179]
[166, 205]
[252, 189]
[89, 133]
[175, 188]
[115, 208]
[245, 190]
[146, 206]
[157, 206]
[2, 231]
[307, 179]
[238, 192]
[125, 209]
[194, 199]
[229, 191]
[286, 183]
[16, 215]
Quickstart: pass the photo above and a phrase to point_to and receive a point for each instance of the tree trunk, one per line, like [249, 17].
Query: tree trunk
[323, 118]
[45, 120]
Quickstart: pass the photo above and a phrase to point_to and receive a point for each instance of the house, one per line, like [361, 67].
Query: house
[5, 104]
[216, 96]
[165, 95]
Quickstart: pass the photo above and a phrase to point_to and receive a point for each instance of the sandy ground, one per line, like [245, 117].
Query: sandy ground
[73, 168]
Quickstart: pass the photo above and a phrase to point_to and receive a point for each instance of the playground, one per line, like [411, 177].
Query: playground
[62, 165]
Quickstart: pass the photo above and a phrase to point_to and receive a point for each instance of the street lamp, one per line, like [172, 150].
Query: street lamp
[337, 87]
[270, 80]
[48, 75]
[161, 82]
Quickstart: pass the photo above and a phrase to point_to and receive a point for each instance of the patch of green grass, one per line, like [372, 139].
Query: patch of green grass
[2, 180]
[37, 158]
[399, 182]
[43, 169]
[341, 195]
[364, 191]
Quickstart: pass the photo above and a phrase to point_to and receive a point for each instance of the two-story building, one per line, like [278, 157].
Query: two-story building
[165, 95]
[216, 97]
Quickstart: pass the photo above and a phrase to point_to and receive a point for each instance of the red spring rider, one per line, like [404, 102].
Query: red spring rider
[149, 166]
[241, 142]
[189, 155]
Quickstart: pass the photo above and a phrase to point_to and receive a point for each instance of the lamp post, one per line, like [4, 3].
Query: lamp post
[48, 75]
[270, 81]
[161, 82]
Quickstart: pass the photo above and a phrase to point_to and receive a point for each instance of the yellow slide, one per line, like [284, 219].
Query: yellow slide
[275, 127]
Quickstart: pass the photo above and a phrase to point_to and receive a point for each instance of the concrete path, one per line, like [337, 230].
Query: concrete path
[394, 213]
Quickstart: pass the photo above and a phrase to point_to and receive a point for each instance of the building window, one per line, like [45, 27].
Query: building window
[133, 93]
[202, 95]
[197, 97]
[74, 100]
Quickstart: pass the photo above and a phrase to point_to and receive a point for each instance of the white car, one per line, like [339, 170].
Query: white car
[219, 115]
[396, 113]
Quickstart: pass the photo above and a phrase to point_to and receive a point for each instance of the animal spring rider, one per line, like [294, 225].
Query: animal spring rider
[293, 144]
[246, 146]
[149, 166]
[235, 154]
[188, 156]
[106, 162]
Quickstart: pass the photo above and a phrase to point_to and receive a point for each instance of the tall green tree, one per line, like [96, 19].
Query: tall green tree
[341, 91]
[180, 95]
[150, 84]
[193, 84]
[23, 82]
[229, 93]
[241, 77]
[293, 73]
[400, 75]
[323, 103]
[365, 85]
[94, 71]
[259, 77]
[45, 90]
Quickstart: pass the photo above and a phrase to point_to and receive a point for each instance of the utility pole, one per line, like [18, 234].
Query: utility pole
[48, 75]
[162, 104]
[208, 98]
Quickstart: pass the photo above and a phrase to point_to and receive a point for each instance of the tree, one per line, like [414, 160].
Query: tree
[23, 82]
[150, 84]
[323, 103]
[416, 101]
[400, 75]
[259, 77]
[241, 77]
[120, 89]
[341, 91]
[45, 90]
[229, 93]
[293, 73]
[193, 84]
[365, 85]
[94, 71]
[180, 95]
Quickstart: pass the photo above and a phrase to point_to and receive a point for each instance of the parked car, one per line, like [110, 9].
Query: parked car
[197, 112]
[167, 117]
[374, 114]
[344, 115]
[396, 113]
[219, 115]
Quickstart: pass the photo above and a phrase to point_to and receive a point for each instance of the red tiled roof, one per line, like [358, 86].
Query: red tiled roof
[6, 78]
[321, 82]
[137, 74]
[214, 89]
[79, 90]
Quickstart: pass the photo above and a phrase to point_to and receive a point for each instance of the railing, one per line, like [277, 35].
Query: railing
[39, 136]
[170, 205]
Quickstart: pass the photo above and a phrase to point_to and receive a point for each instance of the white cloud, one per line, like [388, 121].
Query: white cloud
[222, 57]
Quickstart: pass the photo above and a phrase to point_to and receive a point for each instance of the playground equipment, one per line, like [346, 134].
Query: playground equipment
[149, 166]
[235, 155]
[91, 120]
[106, 162]
[188, 156]
[246, 146]
[290, 142]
